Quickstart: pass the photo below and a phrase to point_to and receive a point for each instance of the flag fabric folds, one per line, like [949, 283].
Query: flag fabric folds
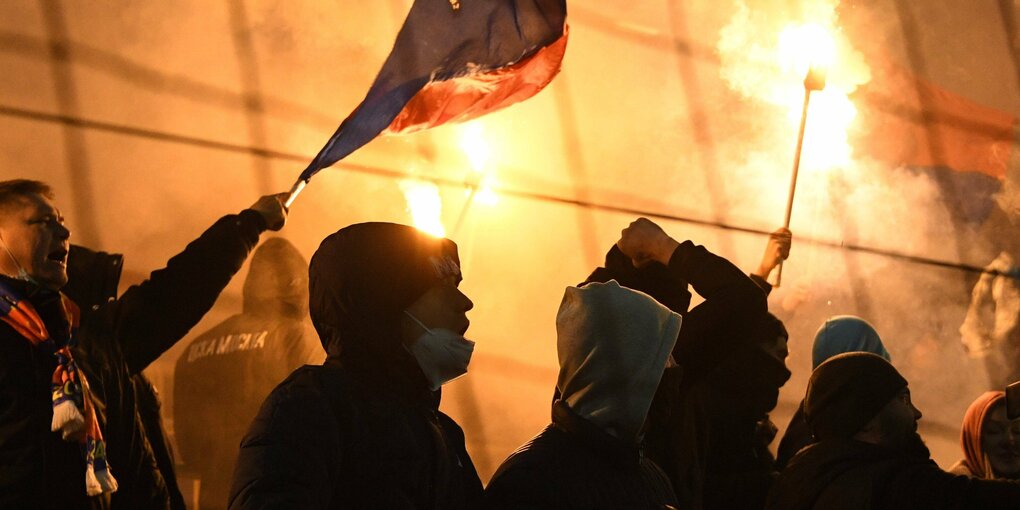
[454, 61]
[968, 149]
[923, 125]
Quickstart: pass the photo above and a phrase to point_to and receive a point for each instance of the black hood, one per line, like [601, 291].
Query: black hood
[818, 466]
[277, 281]
[361, 279]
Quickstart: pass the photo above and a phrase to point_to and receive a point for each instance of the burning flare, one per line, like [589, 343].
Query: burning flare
[766, 55]
[425, 206]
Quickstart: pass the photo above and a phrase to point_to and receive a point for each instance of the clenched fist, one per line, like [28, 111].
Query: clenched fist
[645, 242]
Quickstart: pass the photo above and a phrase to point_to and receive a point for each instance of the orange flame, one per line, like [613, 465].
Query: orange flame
[425, 206]
[766, 56]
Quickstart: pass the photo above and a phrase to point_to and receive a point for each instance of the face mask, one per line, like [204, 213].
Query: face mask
[443, 355]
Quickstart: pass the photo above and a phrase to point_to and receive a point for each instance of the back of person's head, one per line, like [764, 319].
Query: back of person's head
[991, 443]
[847, 391]
[363, 277]
[846, 333]
[14, 192]
[612, 344]
[277, 281]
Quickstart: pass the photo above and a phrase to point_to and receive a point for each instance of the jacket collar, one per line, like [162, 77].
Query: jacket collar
[592, 438]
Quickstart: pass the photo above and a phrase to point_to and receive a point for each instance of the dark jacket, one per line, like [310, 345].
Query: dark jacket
[121, 338]
[363, 430]
[38, 469]
[93, 280]
[848, 474]
[705, 428]
[223, 376]
[574, 464]
[796, 438]
[332, 437]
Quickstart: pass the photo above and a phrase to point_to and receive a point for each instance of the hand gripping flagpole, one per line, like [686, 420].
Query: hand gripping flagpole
[814, 81]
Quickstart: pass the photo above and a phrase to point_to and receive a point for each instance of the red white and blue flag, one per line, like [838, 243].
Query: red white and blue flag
[455, 60]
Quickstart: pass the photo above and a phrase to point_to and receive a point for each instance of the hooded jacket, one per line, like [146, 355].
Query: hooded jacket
[363, 430]
[116, 340]
[975, 461]
[705, 426]
[224, 374]
[851, 475]
[613, 344]
[839, 334]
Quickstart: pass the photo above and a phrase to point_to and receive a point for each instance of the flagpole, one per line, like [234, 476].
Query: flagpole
[295, 190]
[815, 80]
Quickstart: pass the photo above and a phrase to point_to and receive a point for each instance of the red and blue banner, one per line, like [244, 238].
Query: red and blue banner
[454, 61]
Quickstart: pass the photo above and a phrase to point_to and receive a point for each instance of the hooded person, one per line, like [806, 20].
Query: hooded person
[612, 344]
[838, 334]
[990, 440]
[708, 426]
[868, 454]
[224, 374]
[363, 430]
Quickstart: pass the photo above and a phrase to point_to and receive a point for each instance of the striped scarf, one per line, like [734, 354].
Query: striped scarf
[73, 413]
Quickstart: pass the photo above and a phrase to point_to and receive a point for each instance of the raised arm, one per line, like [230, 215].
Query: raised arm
[152, 316]
[731, 298]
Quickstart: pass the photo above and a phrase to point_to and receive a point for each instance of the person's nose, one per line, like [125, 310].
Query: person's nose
[62, 232]
[917, 412]
[468, 304]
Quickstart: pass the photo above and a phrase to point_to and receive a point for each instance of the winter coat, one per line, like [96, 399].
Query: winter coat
[38, 469]
[849, 474]
[120, 338]
[574, 464]
[93, 279]
[223, 376]
[332, 437]
[708, 426]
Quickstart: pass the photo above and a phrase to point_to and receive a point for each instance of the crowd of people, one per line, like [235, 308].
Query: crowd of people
[657, 404]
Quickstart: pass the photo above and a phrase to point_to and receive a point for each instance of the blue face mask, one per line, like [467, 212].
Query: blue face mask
[443, 355]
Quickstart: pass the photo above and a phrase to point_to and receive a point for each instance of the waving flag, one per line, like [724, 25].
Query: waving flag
[454, 61]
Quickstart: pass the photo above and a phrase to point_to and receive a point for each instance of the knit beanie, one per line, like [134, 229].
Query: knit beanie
[847, 391]
[363, 276]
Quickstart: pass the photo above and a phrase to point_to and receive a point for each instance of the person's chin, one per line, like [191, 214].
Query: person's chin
[912, 443]
[54, 280]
